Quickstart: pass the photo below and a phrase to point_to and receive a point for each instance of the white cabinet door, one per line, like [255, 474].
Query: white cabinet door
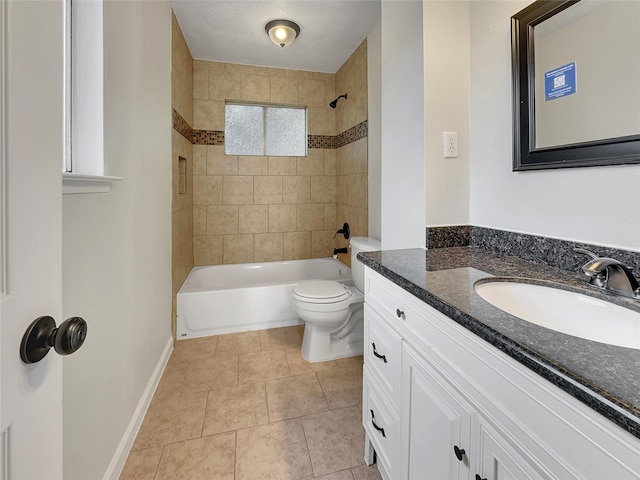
[501, 461]
[436, 424]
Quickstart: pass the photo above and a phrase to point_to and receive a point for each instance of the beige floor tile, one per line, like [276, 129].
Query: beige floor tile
[301, 330]
[351, 362]
[276, 451]
[294, 396]
[218, 372]
[141, 464]
[365, 472]
[342, 387]
[172, 419]
[298, 365]
[280, 337]
[335, 439]
[172, 379]
[341, 475]
[235, 407]
[237, 343]
[203, 458]
[258, 366]
[194, 349]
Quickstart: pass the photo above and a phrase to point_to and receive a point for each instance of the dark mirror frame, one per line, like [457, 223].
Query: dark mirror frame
[610, 151]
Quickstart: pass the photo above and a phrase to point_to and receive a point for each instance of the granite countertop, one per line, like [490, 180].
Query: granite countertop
[605, 377]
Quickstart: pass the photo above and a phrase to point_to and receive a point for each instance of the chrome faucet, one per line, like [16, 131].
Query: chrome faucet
[610, 274]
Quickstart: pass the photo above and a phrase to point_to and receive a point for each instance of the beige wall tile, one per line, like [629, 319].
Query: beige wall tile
[220, 164]
[253, 70]
[284, 90]
[309, 217]
[222, 219]
[323, 189]
[224, 86]
[209, 65]
[253, 165]
[296, 189]
[255, 88]
[360, 156]
[268, 247]
[208, 115]
[282, 218]
[200, 160]
[329, 161]
[237, 190]
[238, 248]
[330, 216]
[282, 165]
[321, 120]
[325, 77]
[312, 93]
[358, 190]
[199, 220]
[330, 92]
[312, 164]
[299, 74]
[201, 84]
[253, 219]
[297, 245]
[207, 250]
[267, 190]
[207, 190]
[342, 189]
[181, 228]
[322, 243]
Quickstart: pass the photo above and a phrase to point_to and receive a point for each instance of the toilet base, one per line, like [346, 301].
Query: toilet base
[319, 345]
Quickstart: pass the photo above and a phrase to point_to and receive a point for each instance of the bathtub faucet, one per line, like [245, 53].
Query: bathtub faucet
[345, 231]
[336, 251]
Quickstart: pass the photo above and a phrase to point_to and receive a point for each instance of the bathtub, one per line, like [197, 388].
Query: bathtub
[252, 296]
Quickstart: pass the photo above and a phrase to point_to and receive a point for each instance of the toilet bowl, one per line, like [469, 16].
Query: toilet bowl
[333, 311]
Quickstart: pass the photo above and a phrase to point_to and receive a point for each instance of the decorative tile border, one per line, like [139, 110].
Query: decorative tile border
[216, 137]
[550, 251]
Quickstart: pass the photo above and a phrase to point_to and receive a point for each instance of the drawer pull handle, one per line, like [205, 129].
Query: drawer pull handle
[459, 452]
[478, 477]
[383, 357]
[399, 313]
[373, 422]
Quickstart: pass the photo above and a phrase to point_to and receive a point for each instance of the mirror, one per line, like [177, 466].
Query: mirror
[576, 84]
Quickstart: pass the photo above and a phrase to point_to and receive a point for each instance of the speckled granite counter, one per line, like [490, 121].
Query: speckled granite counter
[605, 377]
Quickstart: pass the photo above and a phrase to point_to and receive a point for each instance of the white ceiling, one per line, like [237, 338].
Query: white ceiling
[233, 31]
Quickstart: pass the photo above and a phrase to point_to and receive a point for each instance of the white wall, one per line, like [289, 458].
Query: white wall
[446, 109]
[116, 246]
[402, 144]
[596, 205]
[374, 86]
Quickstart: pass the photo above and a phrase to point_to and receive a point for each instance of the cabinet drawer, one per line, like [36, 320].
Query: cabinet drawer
[381, 423]
[382, 353]
[393, 304]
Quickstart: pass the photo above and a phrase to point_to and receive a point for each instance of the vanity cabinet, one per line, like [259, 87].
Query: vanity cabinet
[441, 403]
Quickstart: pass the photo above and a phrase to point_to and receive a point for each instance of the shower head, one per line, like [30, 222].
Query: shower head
[335, 102]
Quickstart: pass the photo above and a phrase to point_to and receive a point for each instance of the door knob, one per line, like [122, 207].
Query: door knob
[42, 335]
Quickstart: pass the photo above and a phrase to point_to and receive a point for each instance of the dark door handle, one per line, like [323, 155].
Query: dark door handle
[399, 313]
[459, 452]
[42, 335]
[383, 357]
[373, 422]
[478, 477]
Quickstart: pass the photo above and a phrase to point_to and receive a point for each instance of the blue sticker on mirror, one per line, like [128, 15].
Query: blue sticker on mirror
[560, 81]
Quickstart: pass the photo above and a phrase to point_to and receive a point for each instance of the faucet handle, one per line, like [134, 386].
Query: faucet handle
[586, 252]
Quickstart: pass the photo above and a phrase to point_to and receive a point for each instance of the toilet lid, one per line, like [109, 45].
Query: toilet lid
[322, 291]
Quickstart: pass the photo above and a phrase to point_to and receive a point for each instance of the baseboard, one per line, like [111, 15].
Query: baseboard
[122, 452]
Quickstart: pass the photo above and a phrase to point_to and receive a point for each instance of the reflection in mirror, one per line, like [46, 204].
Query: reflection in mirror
[576, 84]
[597, 95]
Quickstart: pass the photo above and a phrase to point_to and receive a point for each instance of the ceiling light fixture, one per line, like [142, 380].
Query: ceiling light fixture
[282, 32]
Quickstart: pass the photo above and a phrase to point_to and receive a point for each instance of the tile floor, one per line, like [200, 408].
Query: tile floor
[249, 406]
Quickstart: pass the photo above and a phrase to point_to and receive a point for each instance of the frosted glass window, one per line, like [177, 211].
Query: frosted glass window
[244, 130]
[286, 132]
[265, 130]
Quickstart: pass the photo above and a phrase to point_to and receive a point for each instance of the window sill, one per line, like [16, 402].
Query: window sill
[76, 183]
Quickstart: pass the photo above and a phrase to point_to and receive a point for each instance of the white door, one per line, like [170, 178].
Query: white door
[31, 159]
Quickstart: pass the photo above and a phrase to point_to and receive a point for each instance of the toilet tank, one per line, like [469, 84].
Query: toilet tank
[357, 245]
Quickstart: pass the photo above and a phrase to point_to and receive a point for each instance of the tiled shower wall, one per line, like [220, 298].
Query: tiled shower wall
[352, 158]
[259, 208]
[181, 205]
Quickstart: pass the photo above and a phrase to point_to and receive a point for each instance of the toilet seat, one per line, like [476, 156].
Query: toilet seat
[321, 292]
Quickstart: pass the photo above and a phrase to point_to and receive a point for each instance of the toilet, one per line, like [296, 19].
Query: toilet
[333, 312]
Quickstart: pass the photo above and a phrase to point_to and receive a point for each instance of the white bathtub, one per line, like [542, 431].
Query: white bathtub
[235, 298]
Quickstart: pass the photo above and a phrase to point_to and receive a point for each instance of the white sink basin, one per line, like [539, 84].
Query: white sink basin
[566, 312]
